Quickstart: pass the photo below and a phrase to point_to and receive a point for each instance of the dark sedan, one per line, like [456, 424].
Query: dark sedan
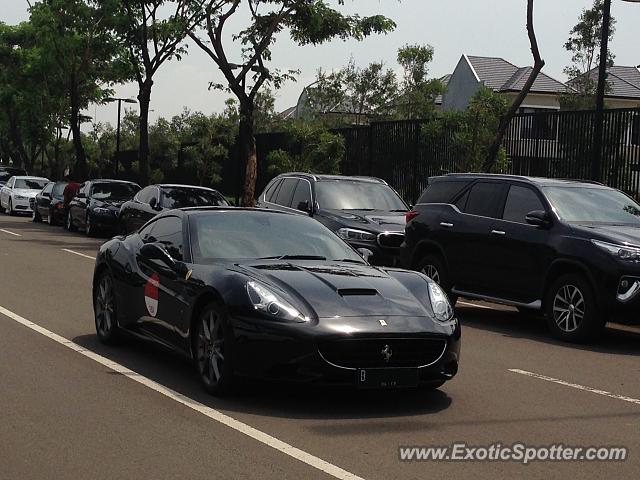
[48, 205]
[152, 200]
[256, 293]
[97, 205]
[364, 211]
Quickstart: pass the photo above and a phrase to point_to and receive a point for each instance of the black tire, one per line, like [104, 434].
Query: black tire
[104, 310]
[212, 341]
[89, 229]
[572, 312]
[37, 218]
[10, 209]
[434, 267]
[68, 222]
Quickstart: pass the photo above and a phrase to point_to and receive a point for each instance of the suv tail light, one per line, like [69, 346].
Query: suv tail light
[410, 215]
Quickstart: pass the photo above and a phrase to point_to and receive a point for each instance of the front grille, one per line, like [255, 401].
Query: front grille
[391, 240]
[368, 353]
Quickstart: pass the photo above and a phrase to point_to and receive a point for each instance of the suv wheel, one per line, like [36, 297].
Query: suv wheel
[434, 267]
[572, 311]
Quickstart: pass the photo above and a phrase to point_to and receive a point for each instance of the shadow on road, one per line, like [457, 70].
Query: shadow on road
[616, 339]
[267, 398]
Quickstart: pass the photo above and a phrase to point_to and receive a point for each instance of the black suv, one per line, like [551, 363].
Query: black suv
[570, 249]
[366, 212]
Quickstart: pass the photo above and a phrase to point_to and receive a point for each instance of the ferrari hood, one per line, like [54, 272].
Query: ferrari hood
[341, 290]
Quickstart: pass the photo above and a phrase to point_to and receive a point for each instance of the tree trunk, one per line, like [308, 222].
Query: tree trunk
[492, 155]
[80, 167]
[248, 155]
[144, 97]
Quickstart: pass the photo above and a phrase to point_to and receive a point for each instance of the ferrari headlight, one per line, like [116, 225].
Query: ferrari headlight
[350, 234]
[442, 309]
[631, 254]
[264, 300]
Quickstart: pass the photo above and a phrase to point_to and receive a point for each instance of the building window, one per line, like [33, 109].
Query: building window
[539, 124]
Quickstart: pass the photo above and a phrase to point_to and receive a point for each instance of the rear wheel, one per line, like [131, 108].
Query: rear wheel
[433, 266]
[37, 218]
[213, 350]
[572, 311]
[104, 307]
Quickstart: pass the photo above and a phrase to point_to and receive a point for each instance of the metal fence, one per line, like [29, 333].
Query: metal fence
[545, 144]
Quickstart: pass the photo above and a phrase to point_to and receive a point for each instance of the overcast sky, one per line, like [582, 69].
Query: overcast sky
[452, 27]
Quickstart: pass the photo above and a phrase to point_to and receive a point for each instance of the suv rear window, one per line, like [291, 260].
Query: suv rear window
[442, 191]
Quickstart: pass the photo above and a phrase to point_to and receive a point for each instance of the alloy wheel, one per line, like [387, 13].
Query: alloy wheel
[210, 348]
[569, 308]
[104, 307]
[432, 272]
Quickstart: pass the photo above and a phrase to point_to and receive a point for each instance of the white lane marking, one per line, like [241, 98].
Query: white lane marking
[10, 233]
[79, 254]
[216, 415]
[604, 393]
[466, 304]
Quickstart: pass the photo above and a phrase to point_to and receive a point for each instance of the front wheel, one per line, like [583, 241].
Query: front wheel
[572, 311]
[37, 218]
[213, 350]
[68, 222]
[10, 209]
[433, 266]
[104, 308]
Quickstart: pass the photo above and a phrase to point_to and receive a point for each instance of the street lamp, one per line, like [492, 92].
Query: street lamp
[119, 100]
[596, 166]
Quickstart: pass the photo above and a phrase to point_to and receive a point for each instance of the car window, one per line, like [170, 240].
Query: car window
[168, 232]
[461, 203]
[181, 197]
[146, 194]
[10, 182]
[113, 191]
[30, 183]
[58, 189]
[48, 188]
[443, 191]
[593, 205]
[84, 189]
[286, 191]
[484, 198]
[302, 194]
[520, 202]
[269, 193]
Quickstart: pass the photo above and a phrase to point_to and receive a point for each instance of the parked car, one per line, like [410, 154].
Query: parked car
[154, 199]
[7, 172]
[15, 195]
[97, 205]
[48, 205]
[255, 293]
[566, 248]
[365, 212]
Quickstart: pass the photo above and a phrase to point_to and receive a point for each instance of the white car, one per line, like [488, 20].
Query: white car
[15, 195]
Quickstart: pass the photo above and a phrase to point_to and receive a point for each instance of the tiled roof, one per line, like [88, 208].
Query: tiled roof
[623, 81]
[502, 76]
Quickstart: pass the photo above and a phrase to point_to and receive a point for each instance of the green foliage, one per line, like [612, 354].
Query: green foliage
[310, 147]
[418, 92]
[470, 133]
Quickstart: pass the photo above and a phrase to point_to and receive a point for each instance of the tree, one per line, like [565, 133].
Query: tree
[151, 41]
[419, 93]
[538, 64]
[308, 22]
[584, 42]
[76, 34]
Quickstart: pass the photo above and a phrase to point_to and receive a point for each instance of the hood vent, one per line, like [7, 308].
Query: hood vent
[357, 292]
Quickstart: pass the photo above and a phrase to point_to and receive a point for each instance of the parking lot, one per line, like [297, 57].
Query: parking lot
[76, 408]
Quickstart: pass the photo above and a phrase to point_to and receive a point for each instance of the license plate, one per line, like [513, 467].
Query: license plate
[387, 377]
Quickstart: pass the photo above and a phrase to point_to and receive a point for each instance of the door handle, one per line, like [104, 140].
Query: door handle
[446, 225]
[498, 232]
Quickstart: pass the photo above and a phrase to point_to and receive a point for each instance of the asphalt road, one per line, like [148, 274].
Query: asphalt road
[72, 408]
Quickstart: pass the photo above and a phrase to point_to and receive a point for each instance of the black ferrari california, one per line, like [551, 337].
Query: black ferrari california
[258, 293]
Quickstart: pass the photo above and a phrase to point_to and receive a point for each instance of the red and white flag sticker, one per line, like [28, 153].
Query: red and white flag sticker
[151, 294]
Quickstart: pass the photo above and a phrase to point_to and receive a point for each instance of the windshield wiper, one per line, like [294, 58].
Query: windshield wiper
[348, 260]
[294, 257]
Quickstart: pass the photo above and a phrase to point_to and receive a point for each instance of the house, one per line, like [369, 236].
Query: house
[623, 86]
[502, 76]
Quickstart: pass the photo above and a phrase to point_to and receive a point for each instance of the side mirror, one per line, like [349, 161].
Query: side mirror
[304, 206]
[46, 195]
[538, 218]
[365, 253]
[155, 251]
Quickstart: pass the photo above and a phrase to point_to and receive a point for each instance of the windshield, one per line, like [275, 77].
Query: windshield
[191, 197]
[593, 205]
[30, 183]
[258, 235]
[352, 195]
[113, 191]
